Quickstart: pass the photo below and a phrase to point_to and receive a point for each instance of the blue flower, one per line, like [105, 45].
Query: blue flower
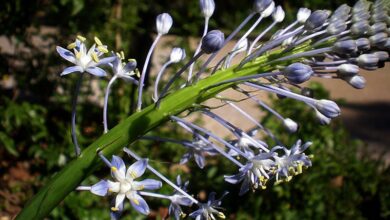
[178, 200]
[207, 210]
[255, 173]
[125, 186]
[196, 149]
[123, 70]
[292, 162]
[83, 59]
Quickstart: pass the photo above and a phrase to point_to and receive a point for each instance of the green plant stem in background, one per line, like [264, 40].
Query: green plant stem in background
[135, 127]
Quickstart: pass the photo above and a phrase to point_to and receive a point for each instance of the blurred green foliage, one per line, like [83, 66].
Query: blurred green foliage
[35, 109]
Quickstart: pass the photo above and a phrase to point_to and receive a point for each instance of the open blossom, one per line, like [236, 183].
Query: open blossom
[125, 185]
[85, 60]
[178, 200]
[207, 210]
[197, 149]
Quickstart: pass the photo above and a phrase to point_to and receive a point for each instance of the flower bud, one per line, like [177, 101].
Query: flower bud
[360, 28]
[269, 10]
[336, 27]
[164, 23]
[260, 5]
[368, 61]
[377, 27]
[345, 47]
[348, 70]
[328, 108]
[363, 44]
[278, 14]
[361, 5]
[213, 41]
[207, 7]
[298, 73]
[357, 82]
[378, 40]
[316, 20]
[303, 15]
[291, 125]
[177, 55]
[322, 118]
[382, 55]
[380, 16]
[341, 13]
[361, 16]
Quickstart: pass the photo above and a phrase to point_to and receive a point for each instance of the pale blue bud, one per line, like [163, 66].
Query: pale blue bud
[316, 19]
[379, 40]
[363, 44]
[260, 5]
[348, 70]
[177, 55]
[207, 7]
[213, 41]
[360, 28]
[163, 23]
[303, 15]
[328, 108]
[357, 82]
[298, 73]
[345, 47]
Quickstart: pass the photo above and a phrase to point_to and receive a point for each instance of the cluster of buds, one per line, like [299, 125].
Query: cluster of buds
[318, 44]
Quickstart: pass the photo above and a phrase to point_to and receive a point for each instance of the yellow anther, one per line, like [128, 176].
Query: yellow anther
[221, 215]
[114, 209]
[311, 156]
[132, 60]
[97, 41]
[81, 38]
[109, 190]
[299, 168]
[289, 178]
[71, 46]
[183, 215]
[133, 174]
[102, 49]
[95, 57]
[114, 169]
[78, 55]
[137, 73]
[263, 187]
[136, 201]
[261, 178]
[122, 55]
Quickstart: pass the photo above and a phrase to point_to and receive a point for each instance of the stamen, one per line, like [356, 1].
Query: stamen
[97, 41]
[95, 57]
[81, 38]
[71, 46]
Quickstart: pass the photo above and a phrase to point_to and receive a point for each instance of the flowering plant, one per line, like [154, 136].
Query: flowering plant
[319, 44]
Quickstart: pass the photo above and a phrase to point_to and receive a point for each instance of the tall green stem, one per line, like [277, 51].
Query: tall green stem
[133, 128]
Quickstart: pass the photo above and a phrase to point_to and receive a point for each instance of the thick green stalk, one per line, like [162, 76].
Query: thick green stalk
[130, 130]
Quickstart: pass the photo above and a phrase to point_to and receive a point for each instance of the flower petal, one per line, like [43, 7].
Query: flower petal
[137, 169]
[200, 160]
[96, 71]
[119, 200]
[130, 66]
[100, 188]
[138, 203]
[118, 163]
[106, 60]
[66, 54]
[148, 184]
[115, 215]
[71, 69]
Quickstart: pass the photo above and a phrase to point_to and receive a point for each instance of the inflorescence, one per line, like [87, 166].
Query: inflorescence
[318, 44]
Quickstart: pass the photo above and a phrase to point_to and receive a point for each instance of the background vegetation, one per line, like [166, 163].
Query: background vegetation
[35, 111]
